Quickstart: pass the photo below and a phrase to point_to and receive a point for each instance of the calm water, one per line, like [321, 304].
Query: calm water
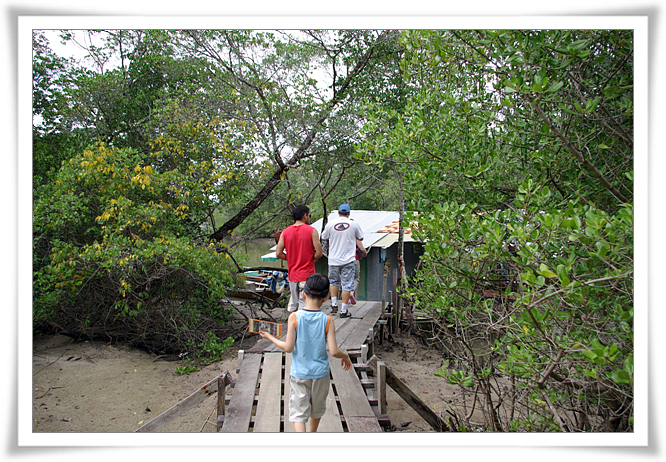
[254, 249]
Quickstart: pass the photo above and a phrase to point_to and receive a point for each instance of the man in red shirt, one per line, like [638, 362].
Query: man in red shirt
[299, 245]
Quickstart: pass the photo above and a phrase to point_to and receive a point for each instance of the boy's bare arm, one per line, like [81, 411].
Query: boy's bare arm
[286, 345]
[335, 351]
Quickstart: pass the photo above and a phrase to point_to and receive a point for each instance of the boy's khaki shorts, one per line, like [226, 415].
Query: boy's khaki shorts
[307, 398]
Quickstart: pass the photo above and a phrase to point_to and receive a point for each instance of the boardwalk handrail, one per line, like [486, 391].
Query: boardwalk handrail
[222, 381]
[435, 421]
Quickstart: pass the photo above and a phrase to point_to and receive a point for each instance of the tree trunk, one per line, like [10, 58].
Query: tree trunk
[401, 252]
[251, 206]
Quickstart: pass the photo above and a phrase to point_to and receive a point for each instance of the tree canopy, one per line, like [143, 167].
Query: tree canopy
[508, 152]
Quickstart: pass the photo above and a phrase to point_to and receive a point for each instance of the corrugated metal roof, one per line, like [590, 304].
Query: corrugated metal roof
[391, 238]
[370, 221]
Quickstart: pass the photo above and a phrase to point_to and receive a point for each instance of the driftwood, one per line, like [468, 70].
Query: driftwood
[410, 398]
[186, 404]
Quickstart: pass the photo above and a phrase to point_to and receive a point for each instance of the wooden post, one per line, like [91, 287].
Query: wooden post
[371, 342]
[241, 354]
[382, 330]
[364, 353]
[391, 330]
[222, 383]
[384, 293]
[399, 313]
[396, 301]
[380, 386]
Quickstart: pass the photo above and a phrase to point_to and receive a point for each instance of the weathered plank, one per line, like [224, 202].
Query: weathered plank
[359, 334]
[345, 330]
[363, 424]
[267, 417]
[239, 412]
[350, 391]
[361, 309]
[288, 427]
[185, 405]
[261, 345]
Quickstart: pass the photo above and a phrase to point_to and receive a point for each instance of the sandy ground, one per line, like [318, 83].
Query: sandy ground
[98, 387]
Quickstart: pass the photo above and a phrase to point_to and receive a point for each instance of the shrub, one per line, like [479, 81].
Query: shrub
[117, 250]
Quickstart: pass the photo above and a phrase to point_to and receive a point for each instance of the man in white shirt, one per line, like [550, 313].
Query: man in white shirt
[342, 235]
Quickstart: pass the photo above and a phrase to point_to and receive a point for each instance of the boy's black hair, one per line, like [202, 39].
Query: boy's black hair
[299, 211]
[317, 285]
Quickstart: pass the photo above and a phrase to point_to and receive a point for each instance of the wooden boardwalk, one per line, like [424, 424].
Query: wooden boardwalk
[260, 398]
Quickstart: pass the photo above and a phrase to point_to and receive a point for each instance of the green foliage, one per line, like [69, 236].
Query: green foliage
[115, 246]
[211, 350]
[186, 369]
[505, 149]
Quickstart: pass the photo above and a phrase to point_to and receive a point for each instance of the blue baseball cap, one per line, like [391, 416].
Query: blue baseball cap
[344, 208]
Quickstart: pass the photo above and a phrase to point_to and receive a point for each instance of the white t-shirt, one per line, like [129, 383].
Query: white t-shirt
[342, 234]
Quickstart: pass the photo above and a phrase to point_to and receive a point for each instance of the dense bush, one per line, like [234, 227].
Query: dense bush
[538, 307]
[116, 250]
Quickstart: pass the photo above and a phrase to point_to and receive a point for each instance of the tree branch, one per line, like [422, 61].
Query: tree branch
[589, 166]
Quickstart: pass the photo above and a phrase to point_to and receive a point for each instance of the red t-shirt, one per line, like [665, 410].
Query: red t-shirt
[300, 252]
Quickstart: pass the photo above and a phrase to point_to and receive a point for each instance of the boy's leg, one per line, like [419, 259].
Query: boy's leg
[320, 390]
[313, 424]
[299, 403]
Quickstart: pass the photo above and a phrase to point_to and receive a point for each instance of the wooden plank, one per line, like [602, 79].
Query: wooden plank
[360, 309]
[363, 424]
[267, 416]
[359, 335]
[352, 397]
[345, 330]
[288, 426]
[239, 412]
[261, 345]
[183, 406]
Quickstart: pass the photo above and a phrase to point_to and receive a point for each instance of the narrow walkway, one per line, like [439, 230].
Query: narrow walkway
[260, 398]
